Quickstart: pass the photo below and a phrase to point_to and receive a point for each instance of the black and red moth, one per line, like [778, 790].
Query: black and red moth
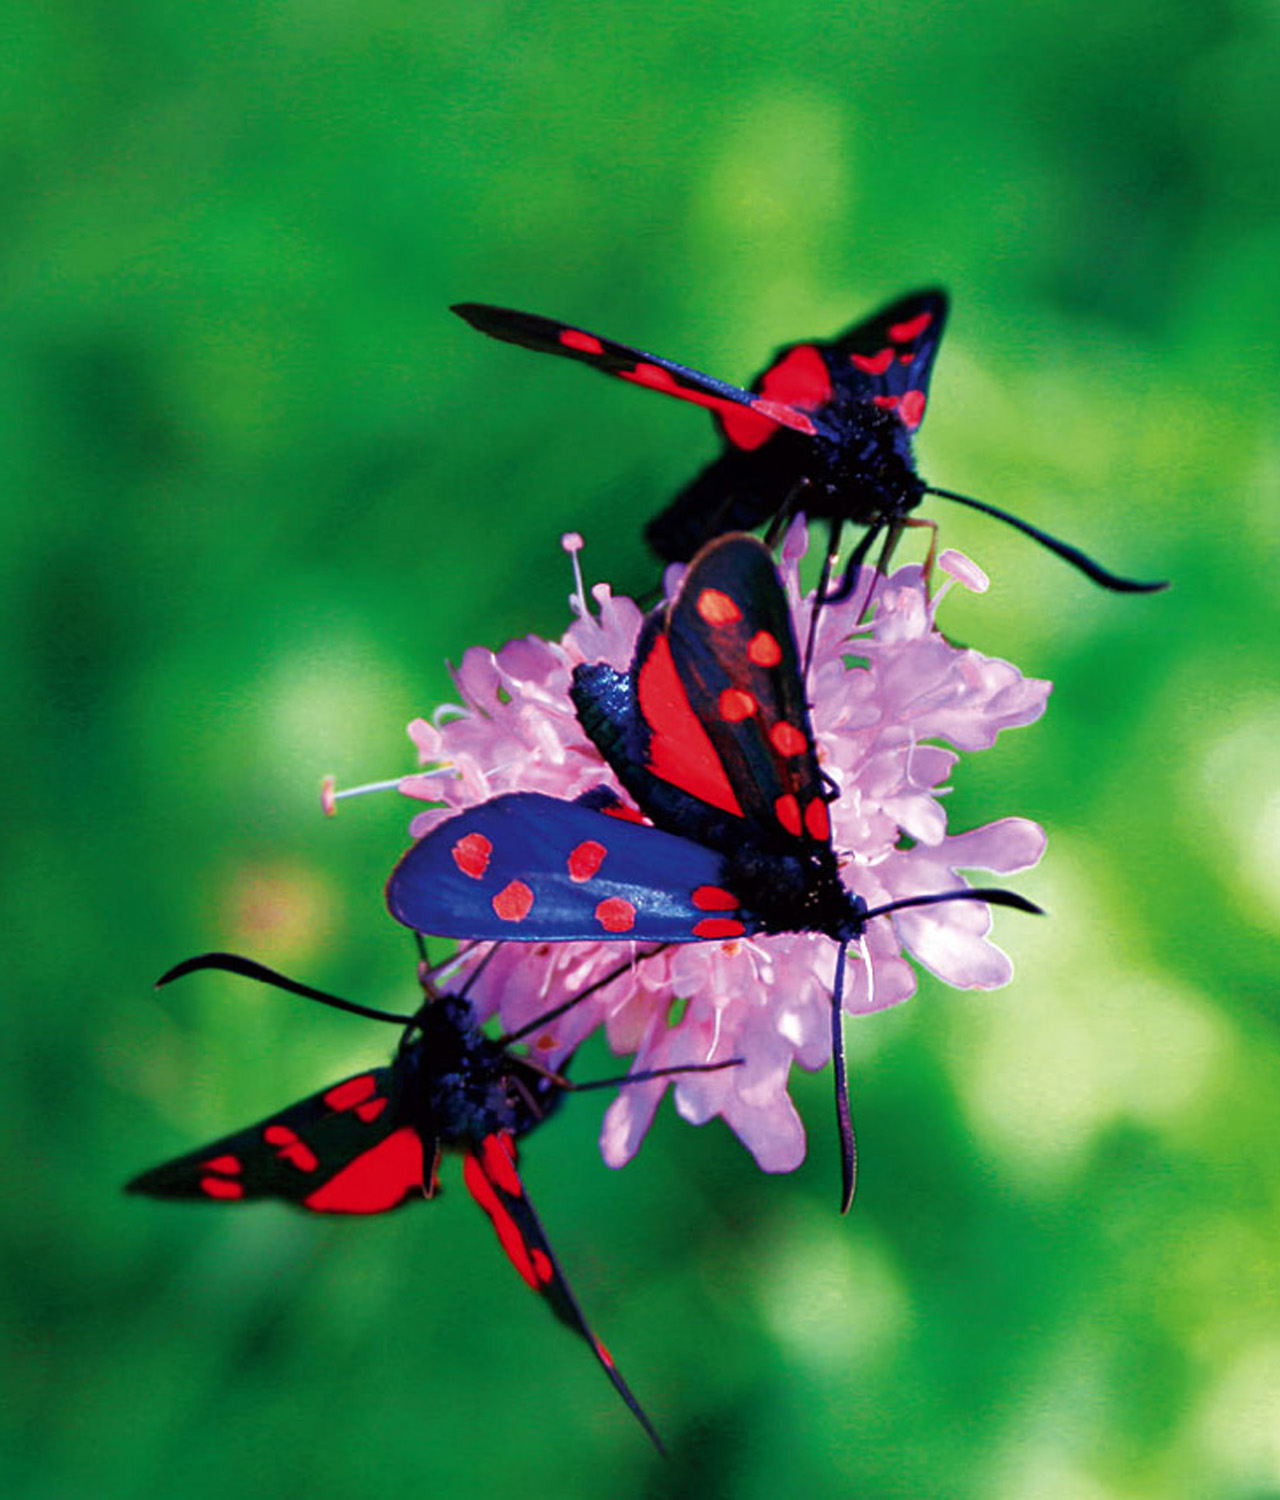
[826, 429]
[709, 732]
[374, 1141]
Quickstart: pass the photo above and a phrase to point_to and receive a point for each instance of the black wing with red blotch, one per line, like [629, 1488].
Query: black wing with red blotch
[887, 359]
[491, 1175]
[738, 410]
[882, 362]
[344, 1150]
[734, 651]
[711, 728]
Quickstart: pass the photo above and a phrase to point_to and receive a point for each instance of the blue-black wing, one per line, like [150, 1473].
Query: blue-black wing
[529, 868]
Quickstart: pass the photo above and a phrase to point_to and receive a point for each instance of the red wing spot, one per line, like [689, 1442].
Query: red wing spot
[905, 359]
[736, 705]
[370, 1111]
[290, 1148]
[888, 403]
[299, 1155]
[586, 859]
[758, 422]
[627, 814]
[471, 854]
[228, 1164]
[542, 1266]
[903, 333]
[499, 1162]
[798, 380]
[912, 408]
[478, 1184]
[714, 898]
[605, 1357]
[817, 820]
[785, 416]
[514, 901]
[746, 429]
[873, 364]
[680, 751]
[717, 608]
[616, 914]
[376, 1180]
[480, 1188]
[788, 811]
[573, 338]
[786, 739]
[354, 1091]
[764, 650]
[719, 927]
[219, 1187]
[655, 378]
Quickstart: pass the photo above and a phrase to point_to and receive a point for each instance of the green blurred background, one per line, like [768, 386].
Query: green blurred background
[261, 485]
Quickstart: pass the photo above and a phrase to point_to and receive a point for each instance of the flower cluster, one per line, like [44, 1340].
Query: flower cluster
[890, 694]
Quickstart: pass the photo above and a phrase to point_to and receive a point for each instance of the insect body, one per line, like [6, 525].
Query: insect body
[826, 429]
[375, 1140]
[710, 734]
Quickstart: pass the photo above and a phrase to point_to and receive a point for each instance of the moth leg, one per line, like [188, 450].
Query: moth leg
[931, 556]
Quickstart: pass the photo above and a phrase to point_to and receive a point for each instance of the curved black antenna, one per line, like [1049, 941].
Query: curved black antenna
[477, 971]
[844, 1114]
[1064, 550]
[506, 1039]
[646, 1074]
[992, 895]
[248, 968]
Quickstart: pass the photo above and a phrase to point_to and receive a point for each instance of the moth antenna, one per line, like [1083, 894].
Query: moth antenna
[646, 1074]
[557, 1011]
[1064, 550]
[248, 968]
[477, 971]
[435, 971]
[992, 895]
[844, 1114]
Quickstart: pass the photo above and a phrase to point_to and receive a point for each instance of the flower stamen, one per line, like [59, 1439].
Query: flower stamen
[330, 796]
[573, 543]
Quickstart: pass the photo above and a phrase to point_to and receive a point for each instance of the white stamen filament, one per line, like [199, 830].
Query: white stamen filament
[572, 543]
[330, 796]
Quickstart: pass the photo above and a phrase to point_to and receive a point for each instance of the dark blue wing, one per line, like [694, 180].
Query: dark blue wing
[529, 868]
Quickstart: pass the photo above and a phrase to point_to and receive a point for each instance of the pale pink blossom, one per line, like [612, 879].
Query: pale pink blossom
[893, 703]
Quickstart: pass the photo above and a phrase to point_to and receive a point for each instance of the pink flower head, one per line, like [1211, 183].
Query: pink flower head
[883, 693]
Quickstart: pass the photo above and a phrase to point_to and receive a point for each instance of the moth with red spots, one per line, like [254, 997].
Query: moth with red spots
[374, 1141]
[826, 429]
[709, 732]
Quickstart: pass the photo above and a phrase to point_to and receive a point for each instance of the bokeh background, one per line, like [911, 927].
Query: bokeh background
[260, 485]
